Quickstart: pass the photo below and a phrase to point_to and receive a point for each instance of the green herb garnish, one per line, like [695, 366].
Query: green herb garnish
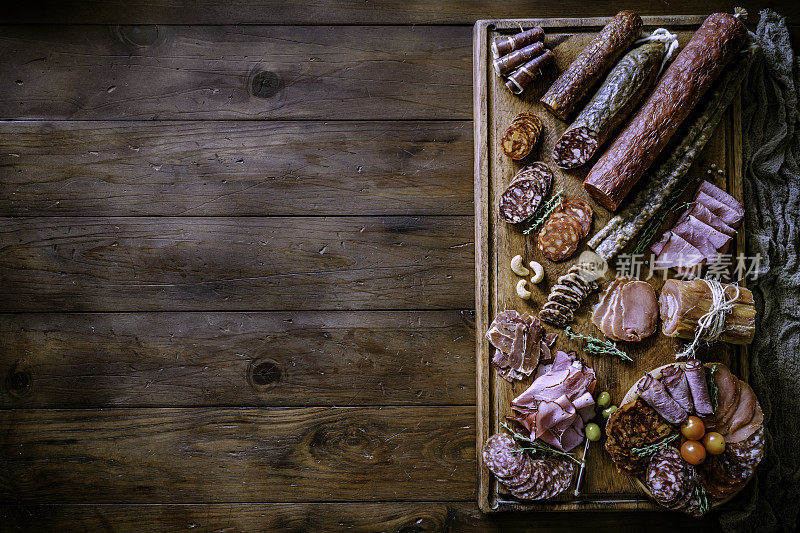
[595, 346]
[650, 449]
[713, 390]
[542, 213]
[537, 446]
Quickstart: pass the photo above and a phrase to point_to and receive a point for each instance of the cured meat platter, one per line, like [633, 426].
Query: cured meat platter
[496, 105]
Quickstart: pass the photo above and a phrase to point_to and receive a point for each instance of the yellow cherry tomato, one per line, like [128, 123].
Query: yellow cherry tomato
[693, 452]
[693, 428]
[714, 443]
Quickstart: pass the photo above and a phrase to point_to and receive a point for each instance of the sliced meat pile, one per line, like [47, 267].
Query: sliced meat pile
[679, 393]
[701, 232]
[525, 193]
[567, 295]
[567, 225]
[521, 136]
[671, 481]
[525, 477]
[627, 310]
[559, 402]
[521, 343]
[738, 417]
[634, 425]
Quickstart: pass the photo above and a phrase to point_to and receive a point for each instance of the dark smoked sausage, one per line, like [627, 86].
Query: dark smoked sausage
[592, 64]
[678, 92]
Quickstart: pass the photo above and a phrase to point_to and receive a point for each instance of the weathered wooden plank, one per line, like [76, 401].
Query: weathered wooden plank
[356, 517]
[235, 168]
[238, 455]
[236, 359]
[236, 264]
[234, 72]
[337, 12]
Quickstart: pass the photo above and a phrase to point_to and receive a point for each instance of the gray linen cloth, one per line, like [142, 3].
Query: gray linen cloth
[772, 200]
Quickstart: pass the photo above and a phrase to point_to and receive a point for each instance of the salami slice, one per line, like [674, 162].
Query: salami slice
[521, 136]
[554, 318]
[524, 194]
[667, 476]
[580, 210]
[615, 100]
[740, 459]
[519, 479]
[592, 64]
[567, 298]
[559, 237]
[560, 308]
[557, 478]
[535, 484]
[519, 80]
[678, 92]
[500, 456]
[504, 45]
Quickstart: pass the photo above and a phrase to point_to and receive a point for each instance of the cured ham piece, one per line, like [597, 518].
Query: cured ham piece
[520, 344]
[730, 216]
[683, 303]
[704, 214]
[655, 394]
[677, 252]
[702, 232]
[695, 374]
[715, 192]
[627, 310]
[674, 380]
[558, 403]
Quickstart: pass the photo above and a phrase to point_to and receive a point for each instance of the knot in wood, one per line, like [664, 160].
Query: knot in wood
[263, 373]
[139, 35]
[266, 84]
[19, 382]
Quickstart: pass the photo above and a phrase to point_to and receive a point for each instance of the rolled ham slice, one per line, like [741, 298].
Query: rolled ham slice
[715, 192]
[653, 392]
[696, 378]
[674, 380]
[702, 213]
[729, 215]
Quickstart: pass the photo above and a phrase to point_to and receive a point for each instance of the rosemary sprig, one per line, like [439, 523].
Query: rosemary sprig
[713, 390]
[700, 493]
[542, 213]
[538, 446]
[650, 449]
[595, 346]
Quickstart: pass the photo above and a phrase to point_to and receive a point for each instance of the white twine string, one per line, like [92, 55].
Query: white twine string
[670, 41]
[712, 324]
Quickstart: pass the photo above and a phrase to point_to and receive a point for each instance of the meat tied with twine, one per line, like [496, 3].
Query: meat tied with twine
[706, 310]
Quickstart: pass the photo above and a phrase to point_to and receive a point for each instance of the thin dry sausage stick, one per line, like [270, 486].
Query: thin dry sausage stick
[678, 92]
[505, 45]
[505, 64]
[592, 64]
[524, 75]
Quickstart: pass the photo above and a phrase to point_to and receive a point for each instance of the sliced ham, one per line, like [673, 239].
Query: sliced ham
[600, 308]
[655, 394]
[716, 239]
[728, 214]
[702, 213]
[717, 193]
[677, 252]
[639, 310]
[519, 340]
[695, 374]
[674, 379]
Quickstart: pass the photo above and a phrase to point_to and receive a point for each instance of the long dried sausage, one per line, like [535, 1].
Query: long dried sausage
[591, 64]
[623, 90]
[678, 92]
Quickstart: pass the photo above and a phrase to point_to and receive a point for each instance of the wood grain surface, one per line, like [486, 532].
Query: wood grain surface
[228, 168]
[247, 263]
[236, 359]
[603, 486]
[196, 333]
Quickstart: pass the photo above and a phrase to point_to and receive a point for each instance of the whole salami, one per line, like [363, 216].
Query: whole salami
[591, 64]
[623, 90]
[678, 92]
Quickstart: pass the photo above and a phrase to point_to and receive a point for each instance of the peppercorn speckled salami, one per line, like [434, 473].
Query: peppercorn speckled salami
[525, 74]
[677, 93]
[505, 45]
[525, 193]
[559, 237]
[500, 456]
[557, 477]
[618, 96]
[592, 64]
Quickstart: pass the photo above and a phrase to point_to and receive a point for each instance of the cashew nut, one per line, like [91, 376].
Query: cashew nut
[538, 272]
[517, 266]
[522, 290]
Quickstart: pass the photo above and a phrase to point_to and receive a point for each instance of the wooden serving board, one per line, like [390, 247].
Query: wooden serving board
[497, 242]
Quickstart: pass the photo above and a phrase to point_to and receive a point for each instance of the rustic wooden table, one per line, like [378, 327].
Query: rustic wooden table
[236, 277]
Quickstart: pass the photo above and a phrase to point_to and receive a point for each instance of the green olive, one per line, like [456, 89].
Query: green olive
[604, 400]
[593, 432]
[609, 410]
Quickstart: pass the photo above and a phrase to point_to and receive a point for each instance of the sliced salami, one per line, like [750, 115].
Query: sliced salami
[554, 318]
[525, 193]
[581, 210]
[576, 147]
[560, 476]
[740, 459]
[501, 457]
[567, 298]
[560, 308]
[535, 484]
[559, 237]
[667, 476]
[519, 479]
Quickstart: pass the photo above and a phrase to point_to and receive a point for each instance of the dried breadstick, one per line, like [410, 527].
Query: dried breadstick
[538, 272]
[522, 290]
[517, 266]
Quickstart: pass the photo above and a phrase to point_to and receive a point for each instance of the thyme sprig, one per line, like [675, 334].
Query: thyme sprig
[650, 449]
[595, 346]
[537, 446]
[541, 214]
[713, 390]
[700, 493]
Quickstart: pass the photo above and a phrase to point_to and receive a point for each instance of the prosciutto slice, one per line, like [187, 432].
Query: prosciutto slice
[520, 343]
[627, 311]
[558, 403]
[696, 377]
[653, 392]
[674, 380]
